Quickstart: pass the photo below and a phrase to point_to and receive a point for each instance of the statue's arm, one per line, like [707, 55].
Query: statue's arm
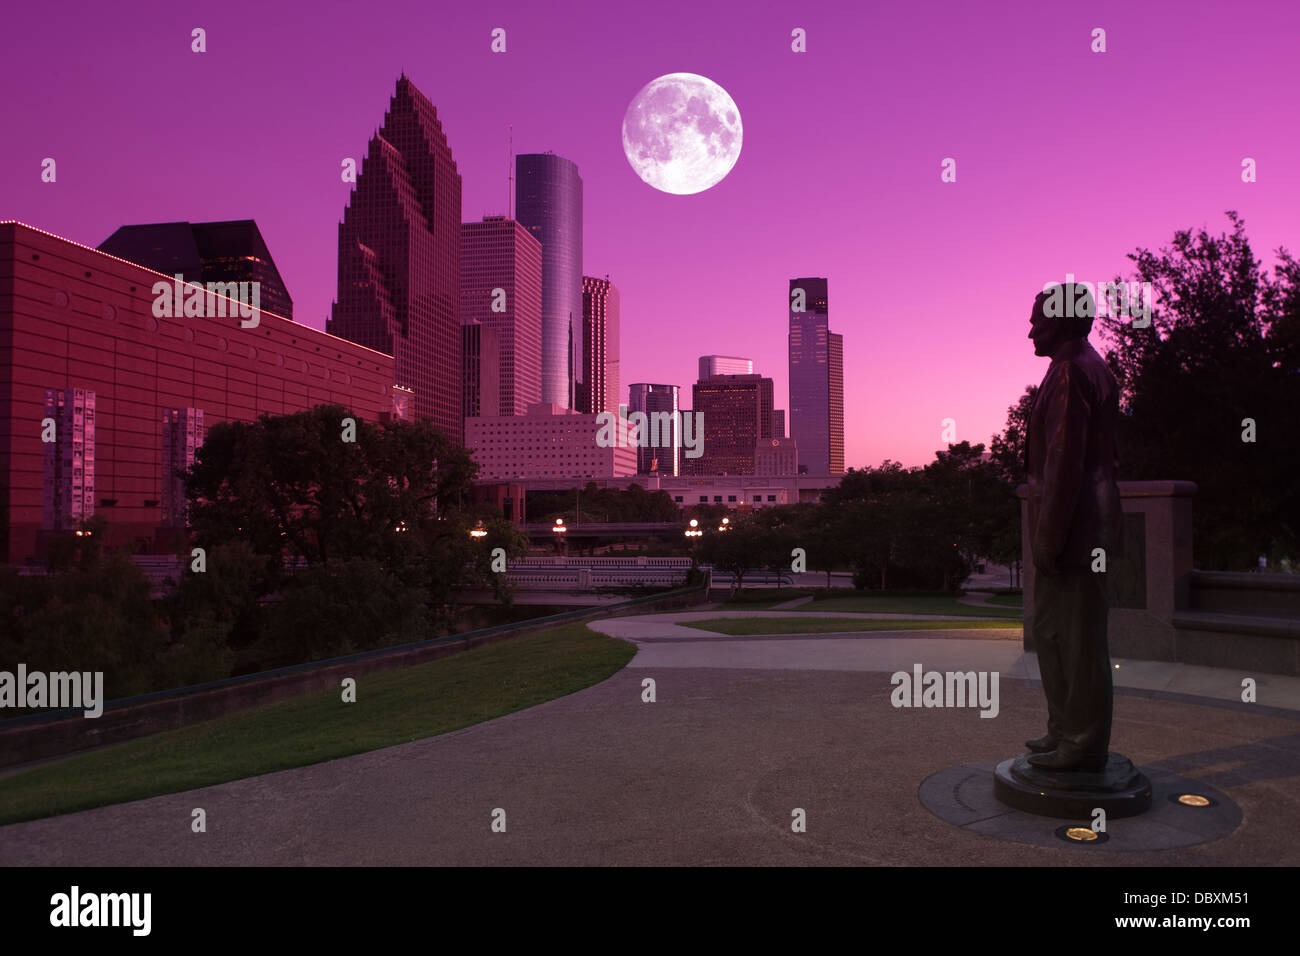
[1066, 424]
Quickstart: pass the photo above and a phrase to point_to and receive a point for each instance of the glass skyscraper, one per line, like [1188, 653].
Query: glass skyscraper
[665, 458]
[816, 380]
[548, 203]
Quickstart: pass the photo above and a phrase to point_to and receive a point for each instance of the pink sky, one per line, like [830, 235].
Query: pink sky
[1066, 160]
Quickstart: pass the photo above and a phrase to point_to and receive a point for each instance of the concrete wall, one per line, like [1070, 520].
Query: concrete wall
[1163, 610]
[1150, 580]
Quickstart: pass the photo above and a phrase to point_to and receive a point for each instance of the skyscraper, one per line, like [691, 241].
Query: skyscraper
[399, 258]
[737, 412]
[660, 399]
[481, 355]
[548, 202]
[711, 365]
[599, 390]
[500, 254]
[205, 252]
[816, 380]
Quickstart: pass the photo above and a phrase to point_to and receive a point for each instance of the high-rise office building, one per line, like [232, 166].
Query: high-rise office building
[481, 355]
[548, 202]
[711, 365]
[501, 290]
[665, 457]
[778, 423]
[737, 412]
[399, 258]
[599, 390]
[203, 252]
[836, 381]
[816, 380]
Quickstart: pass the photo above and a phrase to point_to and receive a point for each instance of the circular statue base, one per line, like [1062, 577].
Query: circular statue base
[1120, 789]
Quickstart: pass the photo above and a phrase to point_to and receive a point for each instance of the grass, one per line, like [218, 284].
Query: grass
[1008, 600]
[393, 707]
[883, 602]
[827, 625]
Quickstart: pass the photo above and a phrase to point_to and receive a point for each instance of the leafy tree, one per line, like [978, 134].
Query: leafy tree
[746, 546]
[1221, 348]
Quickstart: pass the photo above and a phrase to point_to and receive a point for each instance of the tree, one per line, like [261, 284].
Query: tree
[746, 546]
[1220, 350]
[1008, 457]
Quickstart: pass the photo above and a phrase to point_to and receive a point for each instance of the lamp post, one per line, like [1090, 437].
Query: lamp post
[478, 531]
[559, 530]
[693, 534]
[726, 525]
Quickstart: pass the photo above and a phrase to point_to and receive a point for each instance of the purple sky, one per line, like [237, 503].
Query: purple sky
[1066, 160]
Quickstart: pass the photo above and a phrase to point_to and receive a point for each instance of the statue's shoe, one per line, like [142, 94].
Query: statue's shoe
[1079, 763]
[1041, 745]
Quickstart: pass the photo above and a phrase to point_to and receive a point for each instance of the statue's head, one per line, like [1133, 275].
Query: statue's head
[1062, 311]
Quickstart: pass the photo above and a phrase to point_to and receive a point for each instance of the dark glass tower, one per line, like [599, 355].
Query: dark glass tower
[399, 258]
[816, 381]
[599, 390]
[548, 202]
[737, 412]
[206, 252]
[665, 458]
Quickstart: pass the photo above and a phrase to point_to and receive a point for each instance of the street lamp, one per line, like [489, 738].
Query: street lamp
[694, 531]
[478, 531]
[401, 526]
[559, 530]
[726, 525]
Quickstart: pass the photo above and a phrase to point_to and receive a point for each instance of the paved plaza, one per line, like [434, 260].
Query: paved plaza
[743, 732]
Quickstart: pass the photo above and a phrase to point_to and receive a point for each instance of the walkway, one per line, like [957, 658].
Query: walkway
[741, 733]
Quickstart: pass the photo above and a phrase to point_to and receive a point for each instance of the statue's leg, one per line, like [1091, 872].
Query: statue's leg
[1047, 644]
[1086, 711]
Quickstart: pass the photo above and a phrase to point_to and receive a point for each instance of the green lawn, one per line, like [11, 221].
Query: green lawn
[1008, 600]
[880, 602]
[825, 625]
[393, 707]
[922, 603]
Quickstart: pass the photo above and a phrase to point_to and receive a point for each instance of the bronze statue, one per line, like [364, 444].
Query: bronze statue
[1073, 508]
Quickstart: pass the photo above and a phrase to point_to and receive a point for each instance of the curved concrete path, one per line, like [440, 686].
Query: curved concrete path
[737, 739]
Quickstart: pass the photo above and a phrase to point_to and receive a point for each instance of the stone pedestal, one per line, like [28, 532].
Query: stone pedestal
[1120, 789]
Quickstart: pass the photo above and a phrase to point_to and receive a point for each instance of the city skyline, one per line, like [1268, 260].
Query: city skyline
[866, 208]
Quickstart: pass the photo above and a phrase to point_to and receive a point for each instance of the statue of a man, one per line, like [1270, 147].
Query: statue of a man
[1073, 508]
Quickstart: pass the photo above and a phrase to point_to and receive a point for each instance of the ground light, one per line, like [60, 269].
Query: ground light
[1084, 835]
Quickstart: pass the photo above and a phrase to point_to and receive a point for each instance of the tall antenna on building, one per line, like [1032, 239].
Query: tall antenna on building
[510, 175]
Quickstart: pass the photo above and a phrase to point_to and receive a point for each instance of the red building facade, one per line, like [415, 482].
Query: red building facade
[100, 398]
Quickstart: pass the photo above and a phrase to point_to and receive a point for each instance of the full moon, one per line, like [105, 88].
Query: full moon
[682, 133]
